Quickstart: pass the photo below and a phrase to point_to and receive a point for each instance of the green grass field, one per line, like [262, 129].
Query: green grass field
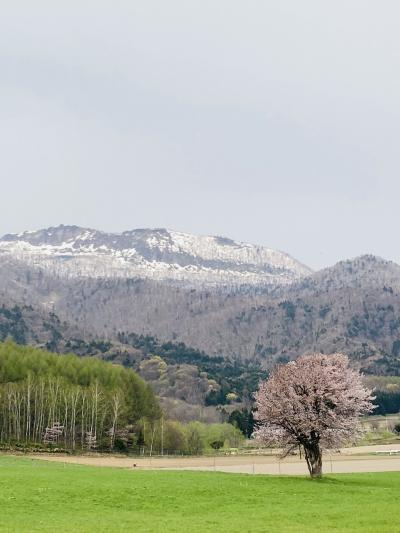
[41, 496]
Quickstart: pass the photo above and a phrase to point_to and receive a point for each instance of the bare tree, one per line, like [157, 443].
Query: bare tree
[116, 407]
[313, 402]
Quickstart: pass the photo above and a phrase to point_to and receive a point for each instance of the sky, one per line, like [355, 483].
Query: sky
[272, 122]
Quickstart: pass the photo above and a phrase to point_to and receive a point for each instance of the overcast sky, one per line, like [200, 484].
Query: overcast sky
[273, 122]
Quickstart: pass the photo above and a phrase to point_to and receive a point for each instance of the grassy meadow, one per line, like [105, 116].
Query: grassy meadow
[43, 496]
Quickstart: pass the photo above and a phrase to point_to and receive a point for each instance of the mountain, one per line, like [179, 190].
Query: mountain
[156, 254]
[229, 300]
[353, 307]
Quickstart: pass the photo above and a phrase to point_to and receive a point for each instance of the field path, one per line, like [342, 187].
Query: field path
[349, 460]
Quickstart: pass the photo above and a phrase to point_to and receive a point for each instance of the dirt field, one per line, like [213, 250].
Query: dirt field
[358, 459]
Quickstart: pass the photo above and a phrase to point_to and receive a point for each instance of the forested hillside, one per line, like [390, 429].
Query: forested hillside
[353, 307]
[174, 370]
[63, 402]
[69, 402]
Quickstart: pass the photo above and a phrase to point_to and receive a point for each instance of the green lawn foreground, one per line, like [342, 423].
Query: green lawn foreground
[43, 496]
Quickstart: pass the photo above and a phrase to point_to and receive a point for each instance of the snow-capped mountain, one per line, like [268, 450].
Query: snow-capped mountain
[159, 254]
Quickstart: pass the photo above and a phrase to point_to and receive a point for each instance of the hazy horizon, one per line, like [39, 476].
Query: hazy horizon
[269, 123]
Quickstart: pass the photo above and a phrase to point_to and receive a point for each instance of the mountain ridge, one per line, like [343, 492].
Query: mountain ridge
[153, 254]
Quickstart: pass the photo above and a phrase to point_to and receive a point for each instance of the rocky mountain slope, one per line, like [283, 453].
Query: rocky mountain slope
[157, 254]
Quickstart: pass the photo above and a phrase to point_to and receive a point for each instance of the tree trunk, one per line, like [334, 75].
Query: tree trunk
[313, 456]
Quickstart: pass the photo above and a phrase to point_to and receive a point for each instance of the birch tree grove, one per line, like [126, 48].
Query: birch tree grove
[66, 401]
[313, 403]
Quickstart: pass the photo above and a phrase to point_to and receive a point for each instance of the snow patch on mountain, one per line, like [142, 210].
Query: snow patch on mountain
[159, 254]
